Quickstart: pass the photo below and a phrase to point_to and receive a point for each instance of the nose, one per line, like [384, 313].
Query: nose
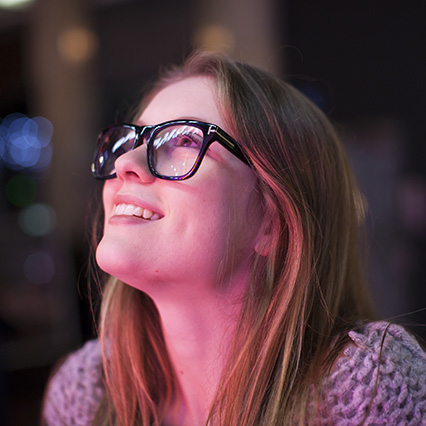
[133, 165]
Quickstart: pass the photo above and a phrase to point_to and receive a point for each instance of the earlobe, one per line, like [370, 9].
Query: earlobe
[264, 236]
[263, 241]
[261, 249]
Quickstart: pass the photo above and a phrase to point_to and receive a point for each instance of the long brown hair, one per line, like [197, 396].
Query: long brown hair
[306, 290]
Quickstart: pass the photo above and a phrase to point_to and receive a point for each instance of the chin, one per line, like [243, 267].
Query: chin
[118, 262]
[107, 259]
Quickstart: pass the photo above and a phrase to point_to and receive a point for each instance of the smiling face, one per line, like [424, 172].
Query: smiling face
[170, 236]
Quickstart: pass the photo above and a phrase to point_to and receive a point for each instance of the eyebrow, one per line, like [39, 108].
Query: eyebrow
[186, 117]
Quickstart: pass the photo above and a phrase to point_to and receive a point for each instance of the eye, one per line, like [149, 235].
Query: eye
[186, 141]
[179, 137]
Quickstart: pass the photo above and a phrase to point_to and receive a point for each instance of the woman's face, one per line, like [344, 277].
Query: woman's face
[203, 230]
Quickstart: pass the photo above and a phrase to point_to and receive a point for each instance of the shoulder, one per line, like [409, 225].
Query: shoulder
[380, 377]
[76, 389]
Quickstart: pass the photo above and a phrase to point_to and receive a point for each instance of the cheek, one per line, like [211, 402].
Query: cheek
[199, 224]
[232, 216]
[247, 213]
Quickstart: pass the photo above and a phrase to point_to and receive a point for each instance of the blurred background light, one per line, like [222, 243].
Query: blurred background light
[37, 220]
[214, 38]
[39, 267]
[21, 190]
[14, 4]
[77, 44]
[25, 143]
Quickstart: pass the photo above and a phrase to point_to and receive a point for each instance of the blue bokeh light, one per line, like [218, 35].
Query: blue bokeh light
[25, 143]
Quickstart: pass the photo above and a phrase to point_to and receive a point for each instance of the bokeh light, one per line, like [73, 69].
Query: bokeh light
[39, 267]
[214, 38]
[14, 4]
[77, 44]
[21, 190]
[25, 143]
[37, 220]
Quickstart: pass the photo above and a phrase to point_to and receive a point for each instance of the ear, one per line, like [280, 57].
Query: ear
[263, 240]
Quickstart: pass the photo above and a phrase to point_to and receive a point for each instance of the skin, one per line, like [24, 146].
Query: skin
[194, 261]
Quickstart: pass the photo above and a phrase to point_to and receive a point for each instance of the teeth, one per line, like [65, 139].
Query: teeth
[147, 214]
[132, 210]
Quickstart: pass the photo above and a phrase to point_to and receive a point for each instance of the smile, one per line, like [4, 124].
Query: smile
[132, 210]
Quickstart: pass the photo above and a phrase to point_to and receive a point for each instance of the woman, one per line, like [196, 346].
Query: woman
[236, 294]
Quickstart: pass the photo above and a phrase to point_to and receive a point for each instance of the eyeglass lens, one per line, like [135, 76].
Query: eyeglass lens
[174, 149]
[114, 142]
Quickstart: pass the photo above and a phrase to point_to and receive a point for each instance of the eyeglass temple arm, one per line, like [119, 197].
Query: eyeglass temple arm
[230, 144]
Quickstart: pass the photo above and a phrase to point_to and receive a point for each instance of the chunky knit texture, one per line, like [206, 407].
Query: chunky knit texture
[364, 386]
[370, 388]
[76, 390]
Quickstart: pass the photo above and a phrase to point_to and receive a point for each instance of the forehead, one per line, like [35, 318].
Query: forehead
[193, 98]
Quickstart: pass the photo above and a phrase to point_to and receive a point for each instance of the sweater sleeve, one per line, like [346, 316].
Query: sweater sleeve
[380, 380]
[75, 391]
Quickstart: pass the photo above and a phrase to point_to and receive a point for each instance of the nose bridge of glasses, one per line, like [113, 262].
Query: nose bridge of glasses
[141, 136]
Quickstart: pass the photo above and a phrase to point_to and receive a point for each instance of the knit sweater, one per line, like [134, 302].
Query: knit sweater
[391, 388]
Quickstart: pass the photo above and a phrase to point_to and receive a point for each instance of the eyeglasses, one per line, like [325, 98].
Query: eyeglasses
[175, 149]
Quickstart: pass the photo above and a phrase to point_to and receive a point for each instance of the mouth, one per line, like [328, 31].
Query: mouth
[124, 209]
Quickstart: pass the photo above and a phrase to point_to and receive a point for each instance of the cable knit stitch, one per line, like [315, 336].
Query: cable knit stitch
[76, 390]
[348, 393]
[392, 392]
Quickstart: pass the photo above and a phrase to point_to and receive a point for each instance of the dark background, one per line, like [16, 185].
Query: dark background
[363, 63]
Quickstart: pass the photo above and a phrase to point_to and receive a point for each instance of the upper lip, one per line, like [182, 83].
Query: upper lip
[136, 201]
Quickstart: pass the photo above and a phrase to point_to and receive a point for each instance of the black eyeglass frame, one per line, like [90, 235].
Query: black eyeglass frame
[211, 133]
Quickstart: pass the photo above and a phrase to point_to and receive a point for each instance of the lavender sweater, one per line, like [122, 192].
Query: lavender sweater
[76, 390]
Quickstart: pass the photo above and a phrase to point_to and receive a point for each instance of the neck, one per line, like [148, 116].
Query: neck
[199, 328]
